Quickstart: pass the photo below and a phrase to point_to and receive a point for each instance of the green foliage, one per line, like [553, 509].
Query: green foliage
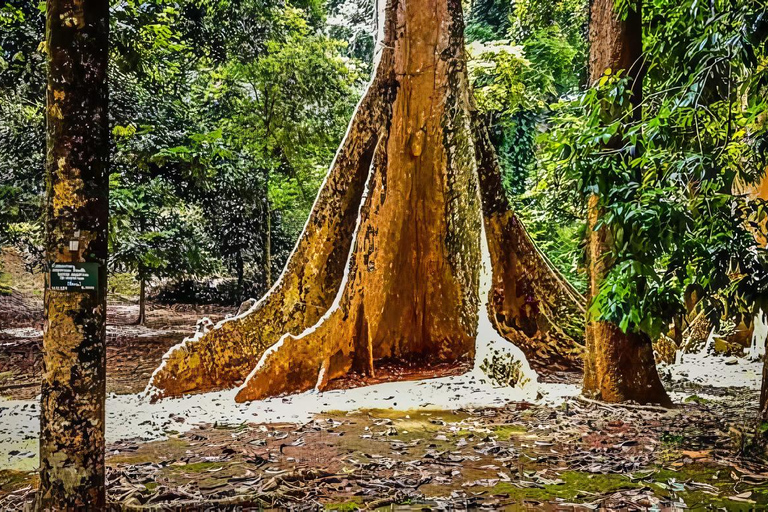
[488, 20]
[22, 137]
[153, 234]
[514, 82]
[225, 115]
[554, 35]
[666, 181]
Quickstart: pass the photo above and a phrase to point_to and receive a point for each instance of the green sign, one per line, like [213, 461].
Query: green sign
[74, 277]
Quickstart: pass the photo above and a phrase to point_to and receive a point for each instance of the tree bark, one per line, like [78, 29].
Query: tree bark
[387, 268]
[619, 366]
[240, 271]
[73, 380]
[268, 247]
[142, 300]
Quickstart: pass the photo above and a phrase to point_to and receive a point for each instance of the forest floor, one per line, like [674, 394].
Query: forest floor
[565, 453]
[468, 447]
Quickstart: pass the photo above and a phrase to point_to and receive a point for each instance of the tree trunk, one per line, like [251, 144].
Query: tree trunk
[240, 270]
[268, 247]
[73, 380]
[618, 366]
[388, 266]
[142, 300]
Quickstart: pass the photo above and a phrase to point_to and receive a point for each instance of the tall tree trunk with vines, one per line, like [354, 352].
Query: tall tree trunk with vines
[619, 366]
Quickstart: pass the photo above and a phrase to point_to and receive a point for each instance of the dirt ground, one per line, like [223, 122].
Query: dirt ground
[578, 455]
[133, 351]
[575, 455]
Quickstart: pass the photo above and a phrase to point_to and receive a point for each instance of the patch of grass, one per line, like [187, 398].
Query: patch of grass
[6, 279]
[672, 439]
[345, 506]
[506, 432]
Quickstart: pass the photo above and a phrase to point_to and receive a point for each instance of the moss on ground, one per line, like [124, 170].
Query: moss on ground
[12, 480]
[345, 506]
[6, 281]
[197, 467]
[668, 482]
[507, 432]
[696, 399]
[413, 414]
[575, 484]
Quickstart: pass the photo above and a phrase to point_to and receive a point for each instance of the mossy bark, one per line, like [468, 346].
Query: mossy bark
[410, 245]
[619, 366]
[73, 380]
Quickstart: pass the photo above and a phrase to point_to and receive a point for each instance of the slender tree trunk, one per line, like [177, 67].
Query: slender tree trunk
[73, 380]
[618, 366]
[142, 299]
[678, 329]
[388, 266]
[268, 247]
[240, 270]
[764, 392]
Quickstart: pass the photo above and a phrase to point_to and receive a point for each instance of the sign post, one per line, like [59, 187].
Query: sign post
[74, 277]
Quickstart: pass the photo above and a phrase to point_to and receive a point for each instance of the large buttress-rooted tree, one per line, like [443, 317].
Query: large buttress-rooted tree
[74, 353]
[388, 266]
[619, 366]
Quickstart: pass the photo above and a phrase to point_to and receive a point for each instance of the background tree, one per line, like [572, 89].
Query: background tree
[673, 220]
[180, 115]
[22, 132]
[619, 366]
[153, 236]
